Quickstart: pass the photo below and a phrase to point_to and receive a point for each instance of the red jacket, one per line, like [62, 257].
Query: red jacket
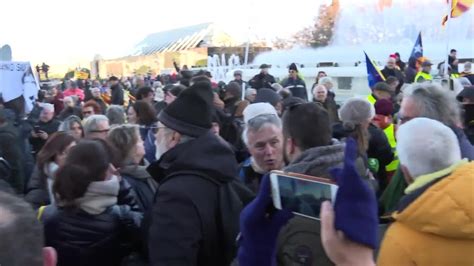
[74, 92]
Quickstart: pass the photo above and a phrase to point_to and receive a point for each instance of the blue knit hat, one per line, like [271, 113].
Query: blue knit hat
[356, 205]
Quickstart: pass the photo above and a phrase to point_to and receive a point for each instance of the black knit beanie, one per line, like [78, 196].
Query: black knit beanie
[293, 67]
[191, 113]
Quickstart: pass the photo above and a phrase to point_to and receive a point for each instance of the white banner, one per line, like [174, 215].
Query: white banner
[17, 79]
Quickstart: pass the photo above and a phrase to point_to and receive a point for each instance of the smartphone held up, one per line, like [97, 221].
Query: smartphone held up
[301, 194]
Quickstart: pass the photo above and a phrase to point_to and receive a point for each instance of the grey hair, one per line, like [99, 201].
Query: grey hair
[116, 115]
[250, 91]
[92, 121]
[183, 139]
[65, 126]
[325, 80]
[258, 122]
[432, 101]
[426, 146]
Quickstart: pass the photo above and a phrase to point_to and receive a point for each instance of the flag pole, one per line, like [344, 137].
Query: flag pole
[448, 22]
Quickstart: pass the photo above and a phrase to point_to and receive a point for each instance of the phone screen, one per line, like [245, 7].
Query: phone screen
[303, 196]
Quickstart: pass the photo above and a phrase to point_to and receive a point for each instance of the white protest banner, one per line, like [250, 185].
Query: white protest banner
[17, 79]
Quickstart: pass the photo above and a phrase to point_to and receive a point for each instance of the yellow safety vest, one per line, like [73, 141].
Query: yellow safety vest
[371, 99]
[455, 76]
[425, 76]
[390, 133]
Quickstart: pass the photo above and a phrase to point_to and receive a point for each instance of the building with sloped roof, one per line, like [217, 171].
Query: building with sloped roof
[156, 52]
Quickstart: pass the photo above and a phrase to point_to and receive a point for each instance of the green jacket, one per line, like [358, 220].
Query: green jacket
[394, 192]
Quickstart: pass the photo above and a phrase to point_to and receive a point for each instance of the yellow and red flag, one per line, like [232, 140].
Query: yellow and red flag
[458, 7]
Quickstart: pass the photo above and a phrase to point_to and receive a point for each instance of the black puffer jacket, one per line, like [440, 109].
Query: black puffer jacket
[83, 239]
[185, 226]
[96, 230]
[37, 192]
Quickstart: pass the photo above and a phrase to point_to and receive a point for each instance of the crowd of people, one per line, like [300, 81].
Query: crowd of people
[175, 171]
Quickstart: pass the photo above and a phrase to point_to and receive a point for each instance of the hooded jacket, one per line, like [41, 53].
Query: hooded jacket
[184, 227]
[299, 242]
[434, 223]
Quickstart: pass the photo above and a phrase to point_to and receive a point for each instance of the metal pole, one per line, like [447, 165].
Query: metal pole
[247, 48]
[448, 22]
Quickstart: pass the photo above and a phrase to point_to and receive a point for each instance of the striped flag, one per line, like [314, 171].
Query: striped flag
[458, 7]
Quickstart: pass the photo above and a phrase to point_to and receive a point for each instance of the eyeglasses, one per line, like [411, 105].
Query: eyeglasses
[291, 71]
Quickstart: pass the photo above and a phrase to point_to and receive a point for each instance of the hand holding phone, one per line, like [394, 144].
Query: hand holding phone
[259, 228]
[36, 129]
[301, 194]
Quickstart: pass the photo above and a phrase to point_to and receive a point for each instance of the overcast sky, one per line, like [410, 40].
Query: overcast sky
[64, 31]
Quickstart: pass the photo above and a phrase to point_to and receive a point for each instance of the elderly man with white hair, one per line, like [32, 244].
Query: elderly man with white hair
[431, 101]
[45, 126]
[434, 222]
[96, 127]
[264, 139]
[428, 100]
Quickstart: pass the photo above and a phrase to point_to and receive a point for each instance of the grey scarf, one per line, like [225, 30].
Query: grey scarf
[317, 161]
[99, 196]
[139, 172]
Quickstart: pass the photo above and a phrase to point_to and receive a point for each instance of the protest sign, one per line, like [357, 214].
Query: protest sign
[16, 80]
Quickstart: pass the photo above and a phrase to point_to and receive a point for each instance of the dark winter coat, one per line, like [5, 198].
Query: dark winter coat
[101, 228]
[300, 240]
[49, 127]
[297, 87]
[242, 83]
[380, 149]
[394, 73]
[249, 176]
[262, 81]
[184, 226]
[410, 71]
[10, 151]
[331, 107]
[142, 183]
[83, 239]
[230, 105]
[117, 95]
[37, 192]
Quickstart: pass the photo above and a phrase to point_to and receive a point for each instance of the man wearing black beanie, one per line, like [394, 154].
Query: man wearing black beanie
[192, 166]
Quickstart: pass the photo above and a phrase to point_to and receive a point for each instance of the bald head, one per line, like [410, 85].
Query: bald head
[391, 63]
